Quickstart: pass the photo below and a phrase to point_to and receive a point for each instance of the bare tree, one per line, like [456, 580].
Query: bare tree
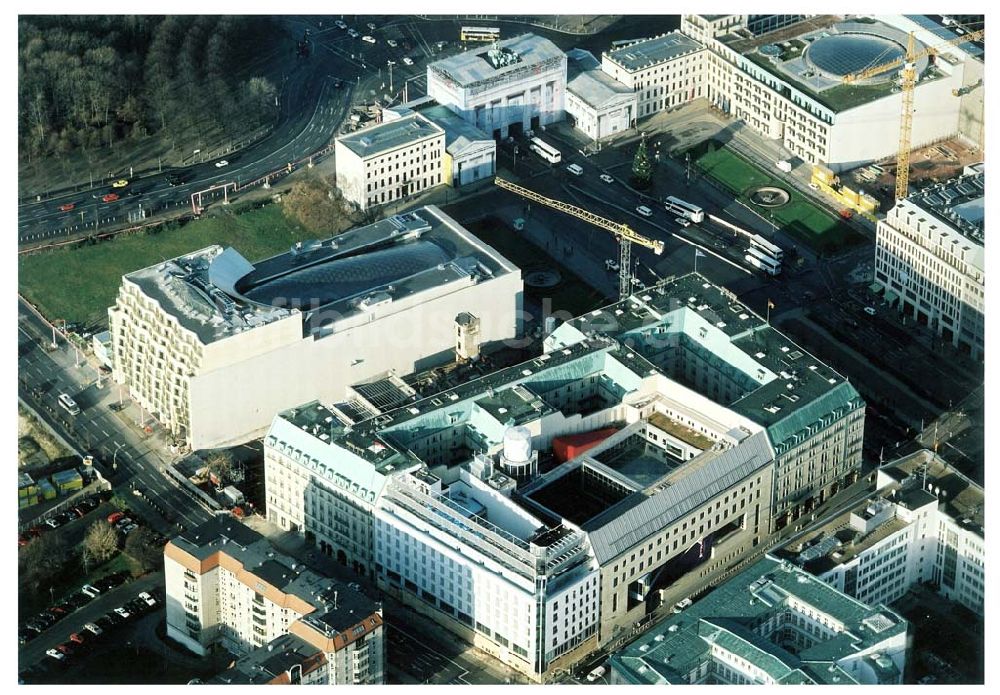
[100, 544]
[220, 463]
[146, 554]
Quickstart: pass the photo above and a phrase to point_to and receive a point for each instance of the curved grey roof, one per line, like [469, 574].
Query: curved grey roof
[339, 278]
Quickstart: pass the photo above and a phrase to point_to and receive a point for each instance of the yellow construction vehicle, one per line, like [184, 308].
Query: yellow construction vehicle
[626, 235]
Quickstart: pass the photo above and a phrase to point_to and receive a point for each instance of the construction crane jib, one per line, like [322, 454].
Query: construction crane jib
[626, 235]
[907, 83]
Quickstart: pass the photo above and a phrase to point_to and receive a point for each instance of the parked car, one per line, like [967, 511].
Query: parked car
[93, 629]
[353, 33]
[392, 43]
[123, 612]
[22, 540]
[407, 60]
[114, 517]
[596, 673]
[46, 618]
[681, 605]
[102, 624]
[145, 596]
[56, 654]
[129, 528]
[870, 310]
[26, 634]
[77, 638]
[90, 590]
[606, 178]
[65, 648]
[368, 39]
[89, 504]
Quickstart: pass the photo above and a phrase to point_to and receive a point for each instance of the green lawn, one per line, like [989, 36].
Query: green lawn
[80, 283]
[799, 218]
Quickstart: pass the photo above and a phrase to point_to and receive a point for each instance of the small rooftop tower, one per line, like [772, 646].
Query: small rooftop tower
[466, 337]
[518, 460]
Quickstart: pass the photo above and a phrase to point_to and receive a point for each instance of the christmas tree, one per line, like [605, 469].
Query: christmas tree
[642, 168]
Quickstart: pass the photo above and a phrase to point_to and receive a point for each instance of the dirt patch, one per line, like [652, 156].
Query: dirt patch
[35, 445]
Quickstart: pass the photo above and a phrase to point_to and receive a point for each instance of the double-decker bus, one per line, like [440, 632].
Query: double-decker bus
[770, 250]
[546, 151]
[760, 260]
[488, 34]
[683, 209]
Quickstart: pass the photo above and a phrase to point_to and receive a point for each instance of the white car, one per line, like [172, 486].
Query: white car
[392, 43]
[371, 26]
[644, 211]
[339, 24]
[407, 60]
[607, 179]
[682, 221]
[870, 310]
[369, 39]
[91, 591]
[611, 264]
[681, 605]
[150, 601]
[56, 654]
[596, 673]
[92, 627]
[122, 612]
[221, 163]
[813, 185]
[353, 33]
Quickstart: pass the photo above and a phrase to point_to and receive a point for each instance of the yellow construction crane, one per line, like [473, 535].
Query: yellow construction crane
[908, 80]
[626, 235]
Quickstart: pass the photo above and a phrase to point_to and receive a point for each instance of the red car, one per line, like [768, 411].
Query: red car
[66, 207]
[110, 197]
[65, 649]
[114, 517]
[77, 637]
[22, 540]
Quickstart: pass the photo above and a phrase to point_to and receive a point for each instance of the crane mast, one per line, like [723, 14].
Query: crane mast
[626, 235]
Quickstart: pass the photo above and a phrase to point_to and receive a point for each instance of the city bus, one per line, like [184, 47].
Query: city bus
[683, 209]
[68, 404]
[770, 250]
[546, 151]
[760, 260]
[488, 34]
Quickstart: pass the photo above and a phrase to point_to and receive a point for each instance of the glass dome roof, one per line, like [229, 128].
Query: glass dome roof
[843, 54]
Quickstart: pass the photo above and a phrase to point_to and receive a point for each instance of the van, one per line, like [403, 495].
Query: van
[69, 404]
[644, 211]
[574, 169]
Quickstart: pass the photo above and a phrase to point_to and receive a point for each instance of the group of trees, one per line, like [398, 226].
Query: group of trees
[92, 81]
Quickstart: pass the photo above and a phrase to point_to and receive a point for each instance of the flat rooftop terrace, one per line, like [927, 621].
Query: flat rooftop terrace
[379, 139]
[644, 54]
[472, 67]
[680, 431]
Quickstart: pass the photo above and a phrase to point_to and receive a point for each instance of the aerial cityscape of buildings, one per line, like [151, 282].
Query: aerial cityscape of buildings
[626, 350]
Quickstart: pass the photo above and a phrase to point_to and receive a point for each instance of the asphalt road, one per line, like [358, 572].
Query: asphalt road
[124, 453]
[311, 110]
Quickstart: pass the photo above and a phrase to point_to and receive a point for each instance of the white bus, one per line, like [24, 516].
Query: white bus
[759, 259]
[683, 209]
[69, 404]
[545, 151]
[488, 34]
[767, 248]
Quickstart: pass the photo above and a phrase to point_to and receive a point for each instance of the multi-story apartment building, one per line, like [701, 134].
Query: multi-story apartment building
[213, 346]
[664, 71]
[438, 490]
[600, 105]
[390, 161]
[225, 585]
[771, 624]
[924, 527]
[783, 75]
[930, 259]
[517, 84]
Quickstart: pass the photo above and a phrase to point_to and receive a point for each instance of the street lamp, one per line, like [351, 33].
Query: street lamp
[114, 458]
